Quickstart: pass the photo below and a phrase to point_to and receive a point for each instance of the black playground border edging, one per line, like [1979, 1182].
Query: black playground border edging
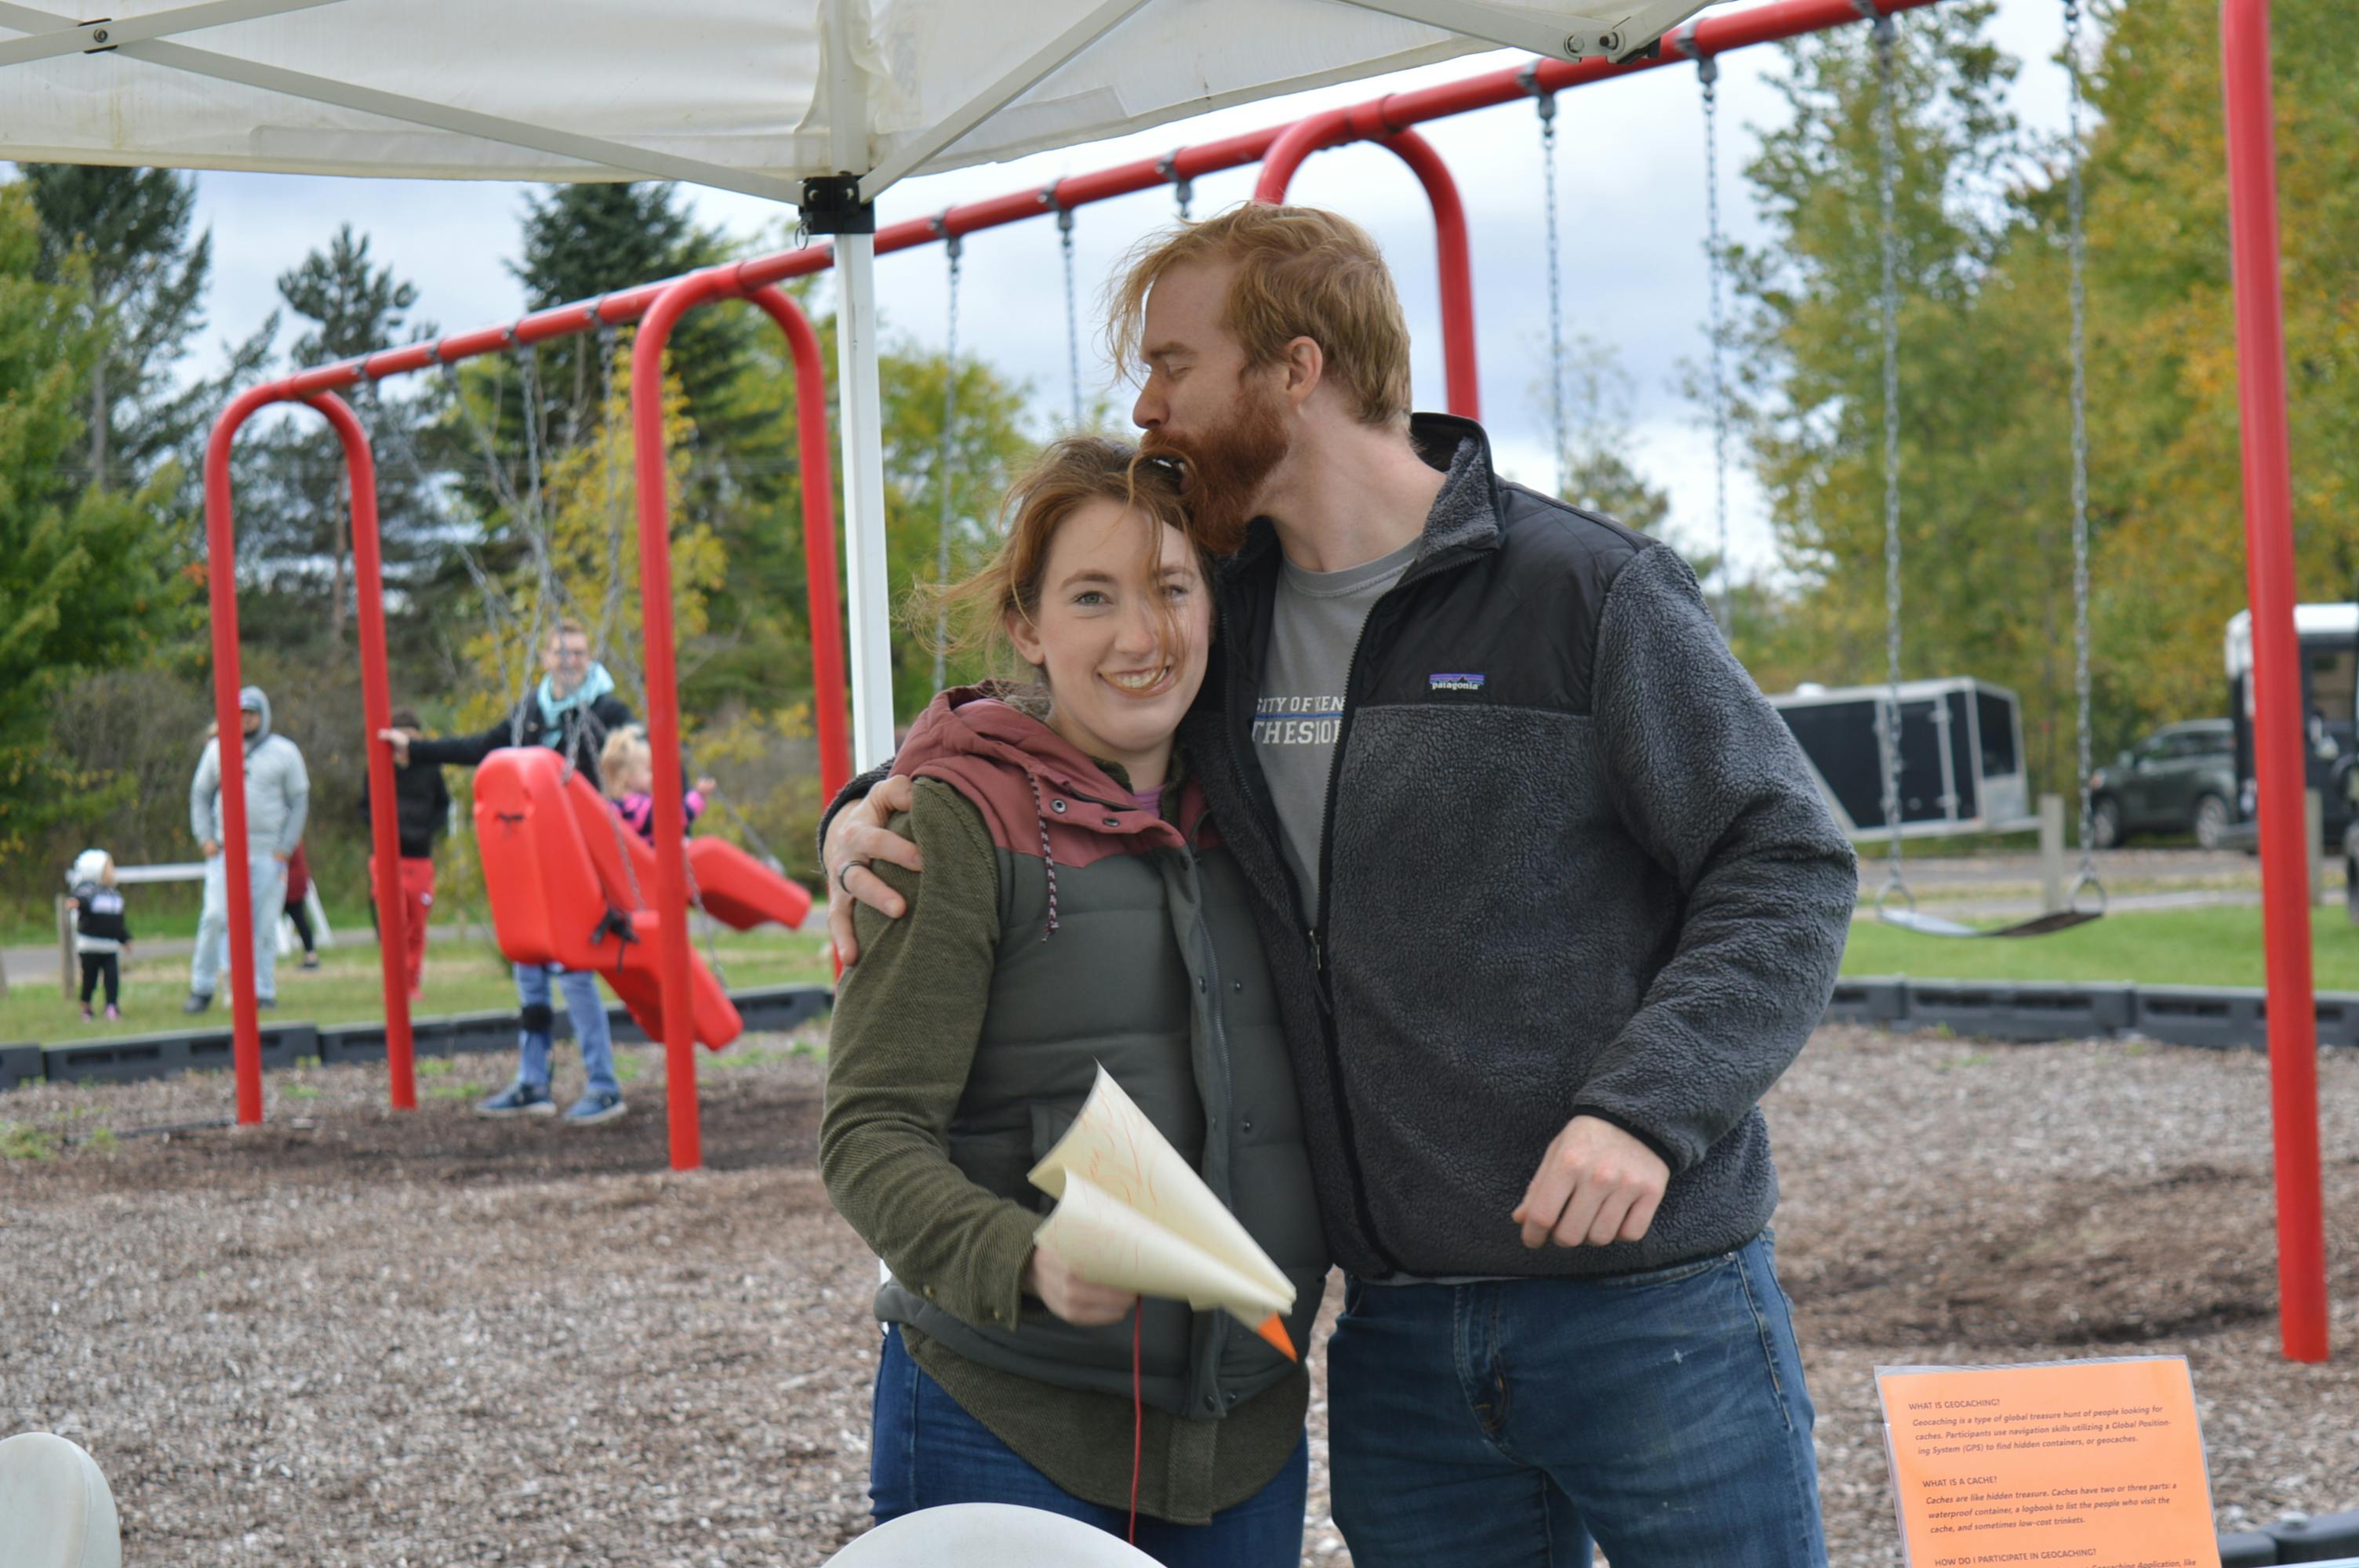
[2219, 1018]
[135, 1057]
[2027, 1012]
[2325, 1540]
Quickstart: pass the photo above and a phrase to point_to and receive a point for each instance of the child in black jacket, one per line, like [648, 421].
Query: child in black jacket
[101, 934]
[421, 807]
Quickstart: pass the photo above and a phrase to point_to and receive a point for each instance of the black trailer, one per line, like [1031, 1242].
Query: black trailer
[1961, 761]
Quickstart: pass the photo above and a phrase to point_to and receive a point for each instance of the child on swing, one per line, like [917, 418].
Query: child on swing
[626, 765]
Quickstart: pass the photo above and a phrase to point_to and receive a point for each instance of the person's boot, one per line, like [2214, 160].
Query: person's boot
[198, 1002]
[114, 1013]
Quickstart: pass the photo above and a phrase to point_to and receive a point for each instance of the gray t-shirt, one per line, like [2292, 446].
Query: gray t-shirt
[1300, 714]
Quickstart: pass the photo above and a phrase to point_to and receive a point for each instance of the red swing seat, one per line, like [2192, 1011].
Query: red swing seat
[556, 899]
[739, 890]
[726, 883]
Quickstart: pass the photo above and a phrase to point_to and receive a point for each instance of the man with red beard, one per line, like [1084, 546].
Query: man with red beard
[1551, 901]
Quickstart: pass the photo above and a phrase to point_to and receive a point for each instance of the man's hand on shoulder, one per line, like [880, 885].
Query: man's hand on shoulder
[1596, 1185]
[858, 835]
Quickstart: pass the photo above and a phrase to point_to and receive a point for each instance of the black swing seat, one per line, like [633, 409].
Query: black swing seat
[1896, 906]
[1941, 926]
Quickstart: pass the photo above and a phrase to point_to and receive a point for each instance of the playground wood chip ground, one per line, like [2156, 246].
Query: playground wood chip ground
[349, 1338]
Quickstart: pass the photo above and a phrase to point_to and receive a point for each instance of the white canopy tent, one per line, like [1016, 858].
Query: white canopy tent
[759, 96]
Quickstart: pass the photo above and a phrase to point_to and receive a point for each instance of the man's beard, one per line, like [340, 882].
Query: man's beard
[1223, 469]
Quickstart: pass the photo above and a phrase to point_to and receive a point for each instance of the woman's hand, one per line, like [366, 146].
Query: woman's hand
[1070, 1297]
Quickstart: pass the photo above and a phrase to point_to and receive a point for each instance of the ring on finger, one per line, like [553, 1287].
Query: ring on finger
[844, 871]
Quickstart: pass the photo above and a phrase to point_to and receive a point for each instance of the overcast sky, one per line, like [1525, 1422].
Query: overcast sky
[1631, 189]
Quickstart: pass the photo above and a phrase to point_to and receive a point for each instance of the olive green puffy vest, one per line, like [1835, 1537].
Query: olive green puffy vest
[1155, 969]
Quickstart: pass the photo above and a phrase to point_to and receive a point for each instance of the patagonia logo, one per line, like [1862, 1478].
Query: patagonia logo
[1454, 681]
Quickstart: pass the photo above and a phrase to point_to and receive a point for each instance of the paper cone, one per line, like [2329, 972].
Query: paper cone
[1118, 1151]
[1109, 1243]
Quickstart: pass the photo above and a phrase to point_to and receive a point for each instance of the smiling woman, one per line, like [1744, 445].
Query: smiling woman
[1076, 909]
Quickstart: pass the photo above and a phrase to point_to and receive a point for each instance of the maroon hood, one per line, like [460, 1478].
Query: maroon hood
[1038, 794]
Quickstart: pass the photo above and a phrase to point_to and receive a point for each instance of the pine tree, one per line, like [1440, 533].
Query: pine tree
[522, 411]
[582, 240]
[84, 584]
[128, 232]
[294, 504]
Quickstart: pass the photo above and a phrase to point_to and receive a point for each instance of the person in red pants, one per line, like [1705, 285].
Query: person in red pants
[422, 809]
[299, 886]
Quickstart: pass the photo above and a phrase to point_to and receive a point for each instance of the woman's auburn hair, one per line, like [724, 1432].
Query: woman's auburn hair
[1302, 272]
[971, 615]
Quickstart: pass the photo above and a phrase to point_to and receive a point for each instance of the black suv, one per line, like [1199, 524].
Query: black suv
[2180, 779]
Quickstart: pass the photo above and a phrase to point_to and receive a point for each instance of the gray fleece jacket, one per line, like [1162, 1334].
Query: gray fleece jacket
[1575, 864]
[277, 789]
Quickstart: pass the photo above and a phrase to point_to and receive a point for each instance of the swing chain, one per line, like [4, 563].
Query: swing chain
[504, 490]
[2076, 215]
[1073, 315]
[1544, 104]
[1888, 723]
[1183, 190]
[1708, 74]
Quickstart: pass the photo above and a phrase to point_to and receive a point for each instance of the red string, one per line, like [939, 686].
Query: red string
[1138, 1420]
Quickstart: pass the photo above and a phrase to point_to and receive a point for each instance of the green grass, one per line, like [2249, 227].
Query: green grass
[461, 977]
[162, 911]
[2218, 945]
[22, 1141]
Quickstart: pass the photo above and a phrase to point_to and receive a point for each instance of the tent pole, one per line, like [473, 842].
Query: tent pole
[863, 415]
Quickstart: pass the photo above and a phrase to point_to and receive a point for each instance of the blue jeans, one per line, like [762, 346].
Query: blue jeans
[929, 1452]
[1507, 1423]
[588, 1010]
[267, 875]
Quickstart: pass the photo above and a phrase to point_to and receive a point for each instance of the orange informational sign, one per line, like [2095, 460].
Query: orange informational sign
[2080, 1463]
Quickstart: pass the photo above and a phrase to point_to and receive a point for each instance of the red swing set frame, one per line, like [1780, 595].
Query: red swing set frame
[1388, 121]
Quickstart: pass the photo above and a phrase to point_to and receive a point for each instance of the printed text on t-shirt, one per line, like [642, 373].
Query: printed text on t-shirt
[1297, 720]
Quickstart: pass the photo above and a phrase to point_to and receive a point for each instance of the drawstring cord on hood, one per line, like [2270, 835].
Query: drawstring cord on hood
[1048, 856]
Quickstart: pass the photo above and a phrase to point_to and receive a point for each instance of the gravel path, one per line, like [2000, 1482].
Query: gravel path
[351, 1338]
